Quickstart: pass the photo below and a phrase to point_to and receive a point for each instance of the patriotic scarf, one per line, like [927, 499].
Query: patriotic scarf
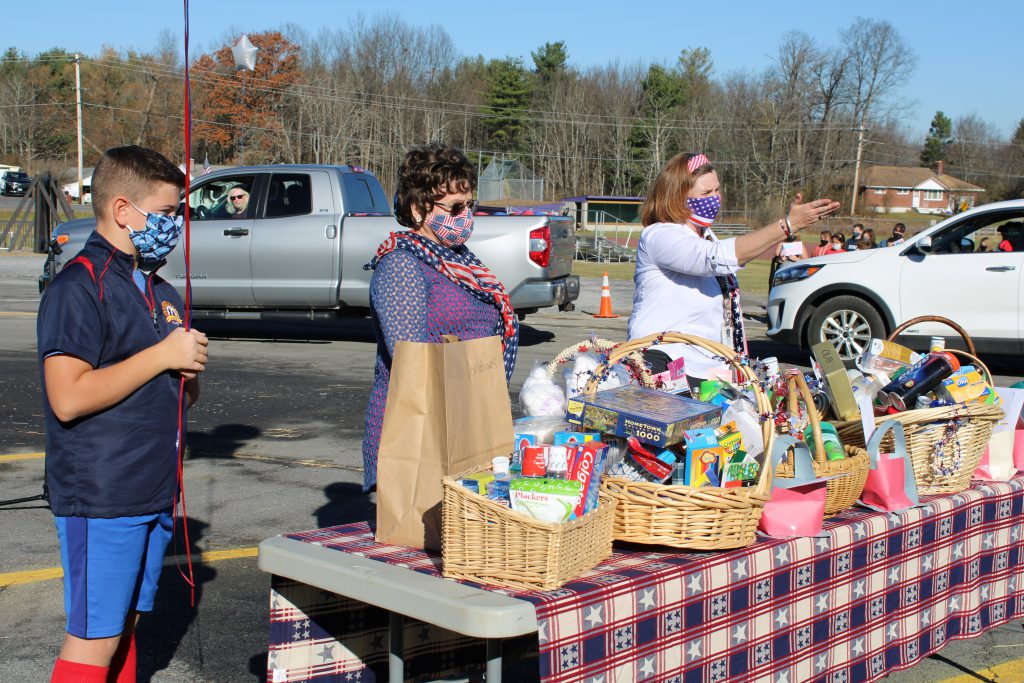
[732, 312]
[463, 268]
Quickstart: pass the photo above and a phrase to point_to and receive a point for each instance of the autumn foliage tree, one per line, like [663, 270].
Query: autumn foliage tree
[239, 114]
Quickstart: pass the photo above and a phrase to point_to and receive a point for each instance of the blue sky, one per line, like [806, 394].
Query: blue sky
[969, 53]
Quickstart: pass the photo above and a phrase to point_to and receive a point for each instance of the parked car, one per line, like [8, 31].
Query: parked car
[14, 183]
[298, 249]
[849, 298]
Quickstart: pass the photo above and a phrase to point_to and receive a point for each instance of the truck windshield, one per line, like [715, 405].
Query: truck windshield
[363, 194]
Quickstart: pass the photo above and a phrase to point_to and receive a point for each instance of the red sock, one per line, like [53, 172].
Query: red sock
[75, 672]
[123, 666]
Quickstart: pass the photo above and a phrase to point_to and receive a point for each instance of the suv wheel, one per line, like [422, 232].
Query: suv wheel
[848, 322]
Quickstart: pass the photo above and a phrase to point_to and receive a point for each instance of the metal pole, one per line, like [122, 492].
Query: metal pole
[856, 170]
[78, 110]
[493, 660]
[396, 655]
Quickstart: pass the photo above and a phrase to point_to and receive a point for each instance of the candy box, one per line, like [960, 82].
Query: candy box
[650, 415]
[563, 438]
[741, 469]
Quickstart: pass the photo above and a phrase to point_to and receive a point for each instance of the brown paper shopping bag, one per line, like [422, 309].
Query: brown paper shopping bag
[447, 411]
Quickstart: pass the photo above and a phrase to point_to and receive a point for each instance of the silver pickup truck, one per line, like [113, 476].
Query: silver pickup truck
[297, 249]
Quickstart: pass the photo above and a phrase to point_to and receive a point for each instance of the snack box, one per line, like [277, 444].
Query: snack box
[741, 469]
[650, 415]
[548, 500]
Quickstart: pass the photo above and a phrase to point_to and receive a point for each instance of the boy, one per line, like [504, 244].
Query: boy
[113, 351]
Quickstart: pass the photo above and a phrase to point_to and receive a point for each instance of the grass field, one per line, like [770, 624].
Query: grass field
[753, 278]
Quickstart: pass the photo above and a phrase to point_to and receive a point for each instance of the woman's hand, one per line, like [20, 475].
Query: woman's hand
[805, 215]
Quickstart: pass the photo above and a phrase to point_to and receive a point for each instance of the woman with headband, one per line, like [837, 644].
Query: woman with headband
[686, 277]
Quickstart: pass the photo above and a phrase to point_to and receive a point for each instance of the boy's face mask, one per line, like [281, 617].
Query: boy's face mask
[157, 238]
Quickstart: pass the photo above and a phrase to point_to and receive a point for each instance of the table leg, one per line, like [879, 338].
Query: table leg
[493, 660]
[396, 656]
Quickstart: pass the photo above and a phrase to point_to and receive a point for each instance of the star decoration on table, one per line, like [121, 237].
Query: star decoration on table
[926, 617]
[739, 634]
[858, 646]
[893, 631]
[647, 668]
[926, 563]
[822, 603]
[542, 632]
[594, 616]
[859, 588]
[821, 662]
[647, 599]
[694, 650]
[984, 592]
[823, 543]
[958, 551]
[782, 554]
[783, 677]
[327, 654]
[739, 569]
[988, 540]
[694, 585]
[377, 642]
[859, 531]
[954, 603]
[781, 618]
[894, 575]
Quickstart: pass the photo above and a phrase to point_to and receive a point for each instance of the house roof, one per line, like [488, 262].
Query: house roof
[910, 177]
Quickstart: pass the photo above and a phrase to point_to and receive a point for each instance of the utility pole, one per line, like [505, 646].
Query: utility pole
[856, 169]
[78, 110]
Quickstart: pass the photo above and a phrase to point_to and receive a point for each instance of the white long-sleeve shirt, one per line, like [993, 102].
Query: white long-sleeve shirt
[676, 290]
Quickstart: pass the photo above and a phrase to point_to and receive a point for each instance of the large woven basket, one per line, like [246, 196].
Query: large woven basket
[488, 543]
[682, 516]
[944, 444]
[843, 491]
[635, 360]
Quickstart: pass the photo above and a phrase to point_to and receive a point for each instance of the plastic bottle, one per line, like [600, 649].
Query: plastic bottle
[937, 344]
[830, 438]
[498, 488]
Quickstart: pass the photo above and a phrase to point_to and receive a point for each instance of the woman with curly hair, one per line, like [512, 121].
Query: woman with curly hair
[426, 282]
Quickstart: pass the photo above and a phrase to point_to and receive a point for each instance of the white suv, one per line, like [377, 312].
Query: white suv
[850, 297]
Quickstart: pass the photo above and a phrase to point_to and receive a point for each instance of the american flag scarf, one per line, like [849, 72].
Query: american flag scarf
[463, 268]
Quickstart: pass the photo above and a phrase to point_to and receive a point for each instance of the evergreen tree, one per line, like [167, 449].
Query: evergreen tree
[940, 137]
[506, 100]
[549, 61]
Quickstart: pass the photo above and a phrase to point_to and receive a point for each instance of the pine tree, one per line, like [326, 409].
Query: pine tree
[940, 137]
[507, 97]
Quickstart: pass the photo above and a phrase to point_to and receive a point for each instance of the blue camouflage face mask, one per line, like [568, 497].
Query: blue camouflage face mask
[158, 238]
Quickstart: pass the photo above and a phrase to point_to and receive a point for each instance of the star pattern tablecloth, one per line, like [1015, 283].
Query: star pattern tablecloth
[876, 592]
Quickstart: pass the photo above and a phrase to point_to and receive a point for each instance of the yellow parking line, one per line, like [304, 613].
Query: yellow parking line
[35, 575]
[21, 456]
[15, 314]
[1012, 670]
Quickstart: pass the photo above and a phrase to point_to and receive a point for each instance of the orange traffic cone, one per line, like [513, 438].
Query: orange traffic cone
[606, 299]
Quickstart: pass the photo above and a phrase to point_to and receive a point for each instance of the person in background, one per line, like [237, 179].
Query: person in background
[426, 282]
[824, 244]
[867, 239]
[854, 241]
[838, 243]
[238, 202]
[899, 232]
[983, 245]
[787, 252]
[686, 277]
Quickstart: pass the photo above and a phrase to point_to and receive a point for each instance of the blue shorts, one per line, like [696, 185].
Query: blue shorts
[111, 566]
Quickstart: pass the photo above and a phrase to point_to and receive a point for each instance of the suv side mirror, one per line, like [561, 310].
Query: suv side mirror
[924, 244]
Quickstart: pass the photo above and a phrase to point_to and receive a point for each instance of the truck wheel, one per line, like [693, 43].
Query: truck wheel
[848, 322]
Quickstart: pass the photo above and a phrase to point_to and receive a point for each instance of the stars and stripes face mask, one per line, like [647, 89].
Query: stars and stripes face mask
[704, 210]
[452, 231]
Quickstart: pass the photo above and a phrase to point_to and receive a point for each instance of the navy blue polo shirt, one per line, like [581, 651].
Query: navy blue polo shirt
[121, 461]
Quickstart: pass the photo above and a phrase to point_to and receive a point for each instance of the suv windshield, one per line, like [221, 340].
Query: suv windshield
[16, 175]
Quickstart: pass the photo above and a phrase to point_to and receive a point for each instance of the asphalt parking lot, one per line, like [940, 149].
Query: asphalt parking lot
[274, 447]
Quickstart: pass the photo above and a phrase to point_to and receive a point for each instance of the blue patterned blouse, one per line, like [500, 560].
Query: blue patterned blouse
[411, 301]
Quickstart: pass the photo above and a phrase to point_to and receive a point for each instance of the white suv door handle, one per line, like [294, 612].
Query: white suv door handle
[1001, 269]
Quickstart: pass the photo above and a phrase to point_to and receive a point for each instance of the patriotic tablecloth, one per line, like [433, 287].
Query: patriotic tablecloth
[875, 592]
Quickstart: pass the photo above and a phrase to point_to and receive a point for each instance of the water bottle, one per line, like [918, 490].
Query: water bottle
[830, 438]
[558, 462]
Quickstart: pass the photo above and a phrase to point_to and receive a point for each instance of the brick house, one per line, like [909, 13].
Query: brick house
[892, 189]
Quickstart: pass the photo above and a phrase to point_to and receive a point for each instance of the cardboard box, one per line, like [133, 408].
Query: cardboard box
[837, 382]
[651, 416]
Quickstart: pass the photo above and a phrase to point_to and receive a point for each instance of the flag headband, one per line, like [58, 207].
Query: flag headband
[696, 161]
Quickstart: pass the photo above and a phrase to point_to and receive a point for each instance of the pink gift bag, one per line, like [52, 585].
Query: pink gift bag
[891, 486]
[1018, 449]
[797, 505]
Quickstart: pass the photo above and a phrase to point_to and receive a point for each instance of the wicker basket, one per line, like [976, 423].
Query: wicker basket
[682, 516]
[944, 444]
[635, 360]
[488, 543]
[843, 491]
